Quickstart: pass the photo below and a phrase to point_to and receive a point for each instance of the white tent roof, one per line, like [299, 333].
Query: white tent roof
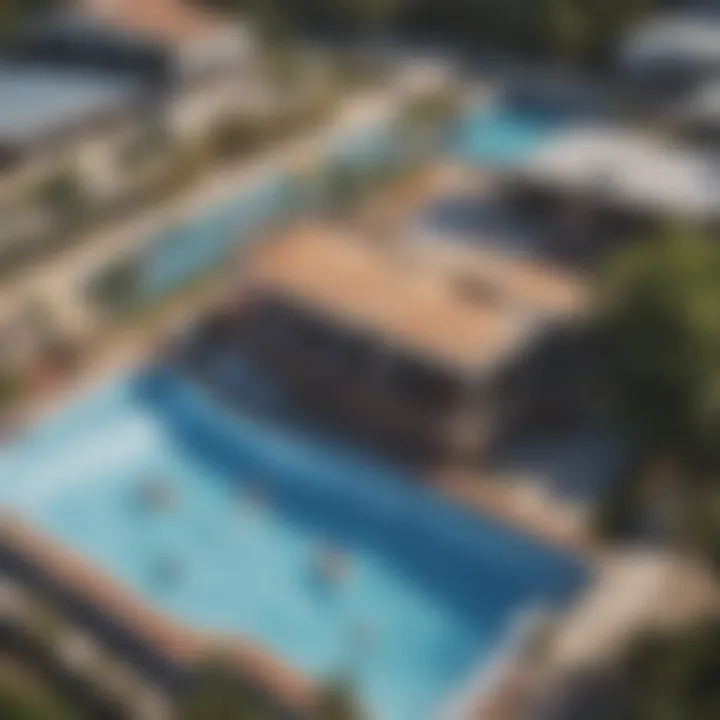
[629, 169]
[689, 40]
[704, 105]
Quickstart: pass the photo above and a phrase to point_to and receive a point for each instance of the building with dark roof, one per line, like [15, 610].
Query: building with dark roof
[426, 361]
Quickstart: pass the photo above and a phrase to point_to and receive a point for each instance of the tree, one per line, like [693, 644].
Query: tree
[372, 17]
[63, 194]
[15, 13]
[660, 322]
[337, 702]
[588, 30]
[217, 694]
[20, 702]
[673, 675]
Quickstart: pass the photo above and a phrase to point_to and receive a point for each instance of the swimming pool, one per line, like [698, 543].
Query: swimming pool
[504, 135]
[432, 593]
[201, 243]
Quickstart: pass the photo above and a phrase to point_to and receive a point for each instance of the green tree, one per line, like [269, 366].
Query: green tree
[660, 326]
[660, 321]
[15, 13]
[20, 702]
[337, 702]
[12, 387]
[587, 30]
[372, 17]
[63, 194]
[217, 694]
[673, 676]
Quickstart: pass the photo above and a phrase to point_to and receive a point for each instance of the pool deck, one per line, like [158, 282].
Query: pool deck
[522, 506]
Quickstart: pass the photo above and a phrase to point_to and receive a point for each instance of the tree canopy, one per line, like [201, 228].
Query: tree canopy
[14, 13]
[218, 694]
[21, 702]
[661, 329]
[572, 30]
[673, 675]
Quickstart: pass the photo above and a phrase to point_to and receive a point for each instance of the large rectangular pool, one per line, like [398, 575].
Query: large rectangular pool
[428, 594]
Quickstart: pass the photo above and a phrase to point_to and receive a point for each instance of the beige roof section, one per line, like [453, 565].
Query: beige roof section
[169, 20]
[396, 296]
[525, 282]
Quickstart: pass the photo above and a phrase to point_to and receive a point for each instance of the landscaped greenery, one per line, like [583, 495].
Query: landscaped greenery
[14, 13]
[661, 333]
[218, 694]
[11, 388]
[673, 676]
[19, 702]
[578, 31]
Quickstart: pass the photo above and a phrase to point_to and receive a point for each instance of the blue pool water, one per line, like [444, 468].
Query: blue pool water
[503, 136]
[431, 592]
[180, 254]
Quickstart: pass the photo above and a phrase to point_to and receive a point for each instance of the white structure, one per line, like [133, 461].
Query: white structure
[628, 171]
[195, 62]
[678, 46]
[700, 114]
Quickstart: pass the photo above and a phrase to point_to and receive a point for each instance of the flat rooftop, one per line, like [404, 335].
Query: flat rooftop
[467, 323]
[526, 283]
[37, 102]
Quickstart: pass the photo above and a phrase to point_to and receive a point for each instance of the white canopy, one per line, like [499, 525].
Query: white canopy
[631, 170]
[688, 41]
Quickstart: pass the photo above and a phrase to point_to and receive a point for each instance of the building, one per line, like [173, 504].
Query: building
[197, 63]
[50, 112]
[90, 96]
[426, 361]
